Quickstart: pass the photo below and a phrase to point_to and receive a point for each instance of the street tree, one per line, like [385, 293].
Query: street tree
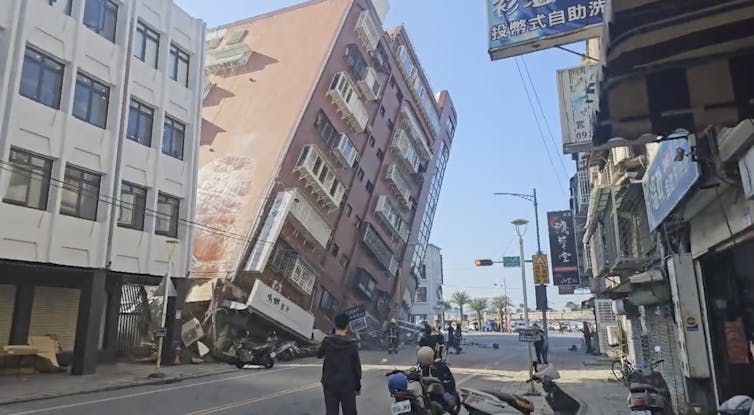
[478, 305]
[460, 298]
[500, 304]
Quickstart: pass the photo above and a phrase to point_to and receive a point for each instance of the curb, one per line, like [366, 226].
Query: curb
[107, 388]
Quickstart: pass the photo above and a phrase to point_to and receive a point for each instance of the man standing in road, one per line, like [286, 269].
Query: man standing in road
[392, 337]
[341, 370]
[539, 344]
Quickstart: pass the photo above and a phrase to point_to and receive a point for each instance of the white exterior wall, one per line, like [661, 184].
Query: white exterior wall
[433, 282]
[47, 236]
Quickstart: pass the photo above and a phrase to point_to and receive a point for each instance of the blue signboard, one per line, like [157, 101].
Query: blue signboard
[667, 181]
[522, 26]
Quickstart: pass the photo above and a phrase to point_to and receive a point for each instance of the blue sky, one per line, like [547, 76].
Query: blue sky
[497, 146]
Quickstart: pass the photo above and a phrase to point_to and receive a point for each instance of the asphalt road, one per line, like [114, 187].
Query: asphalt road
[292, 389]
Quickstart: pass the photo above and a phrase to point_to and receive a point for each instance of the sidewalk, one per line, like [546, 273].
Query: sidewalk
[108, 377]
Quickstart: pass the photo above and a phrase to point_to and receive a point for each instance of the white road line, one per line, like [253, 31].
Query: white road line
[465, 379]
[134, 395]
[254, 400]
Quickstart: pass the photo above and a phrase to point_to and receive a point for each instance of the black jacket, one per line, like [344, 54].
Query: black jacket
[342, 365]
[392, 330]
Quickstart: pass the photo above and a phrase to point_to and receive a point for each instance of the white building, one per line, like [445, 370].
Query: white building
[100, 105]
[428, 304]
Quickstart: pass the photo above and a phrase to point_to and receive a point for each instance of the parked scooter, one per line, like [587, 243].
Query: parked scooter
[494, 403]
[430, 365]
[247, 354]
[648, 393]
[415, 394]
[738, 405]
[560, 402]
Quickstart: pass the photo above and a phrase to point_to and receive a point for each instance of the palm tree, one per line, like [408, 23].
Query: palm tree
[501, 305]
[478, 305]
[461, 298]
[446, 306]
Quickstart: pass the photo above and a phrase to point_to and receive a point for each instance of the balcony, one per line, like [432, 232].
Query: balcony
[307, 220]
[369, 85]
[415, 132]
[343, 94]
[369, 30]
[319, 176]
[402, 146]
[380, 250]
[390, 216]
[228, 57]
[400, 186]
[345, 151]
[290, 265]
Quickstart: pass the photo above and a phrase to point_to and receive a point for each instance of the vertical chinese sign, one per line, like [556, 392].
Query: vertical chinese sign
[517, 27]
[577, 90]
[565, 268]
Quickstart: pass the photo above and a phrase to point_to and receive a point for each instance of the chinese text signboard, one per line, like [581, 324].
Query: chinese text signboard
[511, 261]
[273, 305]
[565, 268]
[526, 335]
[667, 181]
[577, 90]
[517, 27]
[541, 273]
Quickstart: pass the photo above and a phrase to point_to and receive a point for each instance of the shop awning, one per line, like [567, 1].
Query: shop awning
[674, 66]
[597, 203]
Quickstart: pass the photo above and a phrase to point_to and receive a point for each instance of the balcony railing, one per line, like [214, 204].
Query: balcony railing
[309, 221]
[228, 57]
[415, 132]
[319, 177]
[343, 94]
[402, 145]
[400, 186]
[390, 216]
[369, 30]
[380, 249]
[346, 151]
[290, 265]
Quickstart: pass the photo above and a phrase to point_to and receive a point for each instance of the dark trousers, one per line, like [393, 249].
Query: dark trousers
[392, 344]
[339, 396]
[588, 343]
[539, 348]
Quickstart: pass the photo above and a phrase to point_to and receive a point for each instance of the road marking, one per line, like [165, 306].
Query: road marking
[254, 400]
[134, 395]
[465, 379]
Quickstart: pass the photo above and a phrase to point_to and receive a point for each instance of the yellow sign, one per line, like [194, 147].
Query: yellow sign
[541, 272]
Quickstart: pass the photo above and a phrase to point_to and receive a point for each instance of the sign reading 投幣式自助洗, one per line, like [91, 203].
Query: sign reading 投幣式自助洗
[667, 181]
[577, 90]
[565, 267]
[516, 27]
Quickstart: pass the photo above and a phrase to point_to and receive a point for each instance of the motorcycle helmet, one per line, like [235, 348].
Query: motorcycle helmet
[393, 321]
[425, 355]
[737, 405]
[398, 382]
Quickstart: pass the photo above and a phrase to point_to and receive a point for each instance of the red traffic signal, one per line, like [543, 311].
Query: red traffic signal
[483, 262]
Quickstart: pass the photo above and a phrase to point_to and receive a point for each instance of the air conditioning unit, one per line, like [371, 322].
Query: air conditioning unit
[624, 307]
[733, 142]
[613, 335]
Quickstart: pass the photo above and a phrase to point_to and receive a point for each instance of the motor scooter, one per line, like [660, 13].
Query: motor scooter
[648, 393]
[247, 354]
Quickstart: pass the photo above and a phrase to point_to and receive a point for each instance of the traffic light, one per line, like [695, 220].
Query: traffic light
[483, 262]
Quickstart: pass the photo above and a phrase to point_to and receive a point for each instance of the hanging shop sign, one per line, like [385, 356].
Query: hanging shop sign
[270, 232]
[577, 92]
[669, 177]
[541, 273]
[517, 27]
[273, 305]
[565, 267]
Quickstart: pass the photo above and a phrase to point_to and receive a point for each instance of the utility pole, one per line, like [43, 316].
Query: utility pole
[520, 225]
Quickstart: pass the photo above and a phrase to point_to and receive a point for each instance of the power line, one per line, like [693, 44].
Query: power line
[544, 115]
[539, 127]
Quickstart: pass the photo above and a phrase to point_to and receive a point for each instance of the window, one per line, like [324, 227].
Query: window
[90, 101]
[370, 186]
[382, 111]
[327, 302]
[326, 129]
[371, 141]
[101, 16]
[392, 82]
[29, 179]
[80, 193]
[172, 138]
[140, 119]
[357, 222]
[355, 60]
[399, 96]
[68, 5]
[360, 175]
[390, 125]
[348, 211]
[168, 208]
[450, 125]
[380, 154]
[41, 78]
[366, 283]
[133, 202]
[344, 261]
[178, 67]
[146, 44]
[335, 250]
[421, 295]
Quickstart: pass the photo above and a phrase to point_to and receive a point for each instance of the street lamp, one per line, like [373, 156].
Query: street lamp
[520, 225]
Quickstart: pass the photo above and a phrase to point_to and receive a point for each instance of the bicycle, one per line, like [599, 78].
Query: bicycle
[624, 371]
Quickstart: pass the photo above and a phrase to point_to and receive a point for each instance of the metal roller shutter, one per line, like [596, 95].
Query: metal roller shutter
[55, 311]
[7, 303]
[661, 331]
